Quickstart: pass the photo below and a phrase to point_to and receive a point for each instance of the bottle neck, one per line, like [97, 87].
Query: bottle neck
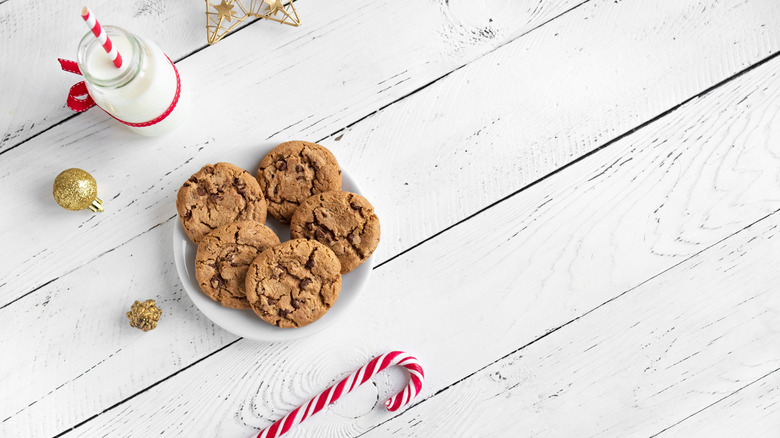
[97, 68]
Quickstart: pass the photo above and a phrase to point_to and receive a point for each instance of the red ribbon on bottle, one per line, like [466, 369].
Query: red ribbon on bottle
[79, 99]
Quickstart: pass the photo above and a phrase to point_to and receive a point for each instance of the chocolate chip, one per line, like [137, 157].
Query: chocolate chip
[355, 206]
[233, 264]
[296, 304]
[298, 168]
[214, 198]
[201, 192]
[284, 312]
[319, 234]
[188, 214]
[310, 226]
[209, 170]
[212, 265]
[271, 301]
[193, 179]
[217, 281]
[351, 238]
[281, 165]
[305, 282]
[310, 263]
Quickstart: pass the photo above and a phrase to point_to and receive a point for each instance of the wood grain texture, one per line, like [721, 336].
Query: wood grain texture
[33, 34]
[452, 36]
[312, 93]
[510, 115]
[660, 352]
[557, 250]
[65, 353]
[754, 410]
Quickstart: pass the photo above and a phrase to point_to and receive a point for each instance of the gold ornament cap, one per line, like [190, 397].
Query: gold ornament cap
[144, 316]
[75, 189]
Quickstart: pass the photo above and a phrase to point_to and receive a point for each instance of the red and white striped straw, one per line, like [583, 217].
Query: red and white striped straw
[330, 395]
[102, 37]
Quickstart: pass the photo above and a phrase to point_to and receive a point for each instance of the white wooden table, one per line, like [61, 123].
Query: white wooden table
[579, 205]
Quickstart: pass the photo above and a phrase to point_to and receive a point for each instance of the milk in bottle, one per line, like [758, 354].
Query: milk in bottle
[145, 92]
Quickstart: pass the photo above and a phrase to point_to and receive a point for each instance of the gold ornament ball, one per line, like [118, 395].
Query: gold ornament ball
[75, 189]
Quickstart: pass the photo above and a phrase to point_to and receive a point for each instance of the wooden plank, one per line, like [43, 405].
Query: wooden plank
[555, 251]
[75, 336]
[752, 411]
[451, 37]
[641, 363]
[35, 34]
[498, 124]
[303, 69]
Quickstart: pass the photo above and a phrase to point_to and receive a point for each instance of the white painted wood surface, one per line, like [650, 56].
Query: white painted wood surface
[609, 254]
[703, 334]
[434, 39]
[587, 271]
[549, 129]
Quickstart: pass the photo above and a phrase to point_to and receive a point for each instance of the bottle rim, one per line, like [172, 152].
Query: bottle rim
[89, 43]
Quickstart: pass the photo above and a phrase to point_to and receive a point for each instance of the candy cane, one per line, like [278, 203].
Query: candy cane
[102, 37]
[330, 395]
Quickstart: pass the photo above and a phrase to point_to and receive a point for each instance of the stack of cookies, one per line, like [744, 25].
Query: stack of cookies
[242, 264]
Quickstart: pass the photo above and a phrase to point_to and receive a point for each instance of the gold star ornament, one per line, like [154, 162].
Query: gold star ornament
[274, 6]
[225, 11]
[221, 19]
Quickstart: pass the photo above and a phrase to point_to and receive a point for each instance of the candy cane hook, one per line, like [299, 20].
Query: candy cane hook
[330, 395]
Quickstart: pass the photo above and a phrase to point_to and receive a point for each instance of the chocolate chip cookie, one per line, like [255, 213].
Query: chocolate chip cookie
[294, 171]
[217, 195]
[223, 257]
[293, 284]
[343, 221]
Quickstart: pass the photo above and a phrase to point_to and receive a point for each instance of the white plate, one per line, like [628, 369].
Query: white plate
[244, 322]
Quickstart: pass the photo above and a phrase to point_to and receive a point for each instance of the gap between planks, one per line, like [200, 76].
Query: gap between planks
[576, 376]
[487, 207]
[244, 26]
[465, 209]
[532, 24]
[426, 239]
[573, 320]
[347, 127]
[340, 130]
[718, 402]
[604, 303]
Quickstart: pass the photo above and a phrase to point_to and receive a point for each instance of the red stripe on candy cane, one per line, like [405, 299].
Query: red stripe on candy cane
[362, 375]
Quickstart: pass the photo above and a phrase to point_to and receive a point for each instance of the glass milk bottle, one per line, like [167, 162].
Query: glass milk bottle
[145, 93]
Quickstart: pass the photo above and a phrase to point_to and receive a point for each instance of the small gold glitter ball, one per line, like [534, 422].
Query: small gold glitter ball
[144, 316]
[75, 189]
